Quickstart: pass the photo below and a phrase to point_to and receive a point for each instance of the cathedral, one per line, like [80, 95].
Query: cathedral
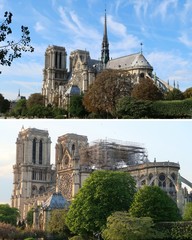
[42, 186]
[59, 83]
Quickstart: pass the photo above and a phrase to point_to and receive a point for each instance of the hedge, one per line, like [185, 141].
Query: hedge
[172, 109]
[175, 230]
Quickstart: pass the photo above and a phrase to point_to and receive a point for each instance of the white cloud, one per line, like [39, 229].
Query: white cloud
[75, 27]
[170, 66]
[164, 8]
[185, 39]
[39, 27]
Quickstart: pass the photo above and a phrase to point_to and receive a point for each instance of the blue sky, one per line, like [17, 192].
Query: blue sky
[164, 140]
[163, 26]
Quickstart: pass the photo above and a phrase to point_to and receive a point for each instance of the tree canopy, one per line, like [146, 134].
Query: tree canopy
[187, 216]
[146, 90]
[103, 193]
[120, 226]
[8, 214]
[175, 94]
[105, 91]
[56, 225]
[11, 49]
[152, 201]
[35, 99]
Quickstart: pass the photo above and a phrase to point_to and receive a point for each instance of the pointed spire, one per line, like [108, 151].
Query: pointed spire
[105, 44]
[19, 93]
[141, 47]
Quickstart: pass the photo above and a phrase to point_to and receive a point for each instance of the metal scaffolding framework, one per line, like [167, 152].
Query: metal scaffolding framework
[110, 154]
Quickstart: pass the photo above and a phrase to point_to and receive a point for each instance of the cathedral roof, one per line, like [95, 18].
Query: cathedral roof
[73, 90]
[55, 201]
[132, 61]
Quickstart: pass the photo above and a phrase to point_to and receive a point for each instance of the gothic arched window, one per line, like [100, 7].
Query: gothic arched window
[34, 150]
[40, 152]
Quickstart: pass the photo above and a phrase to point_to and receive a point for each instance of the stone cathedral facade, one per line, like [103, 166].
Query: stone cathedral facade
[60, 83]
[37, 183]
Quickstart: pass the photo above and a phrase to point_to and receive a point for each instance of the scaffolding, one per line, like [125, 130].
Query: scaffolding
[112, 154]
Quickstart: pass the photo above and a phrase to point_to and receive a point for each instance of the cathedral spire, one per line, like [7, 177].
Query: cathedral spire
[105, 44]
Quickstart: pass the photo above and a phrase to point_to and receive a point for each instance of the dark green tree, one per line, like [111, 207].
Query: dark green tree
[4, 104]
[57, 224]
[146, 90]
[8, 214]
[103, 193]
[152, 201]
[11, 49]
[131, 108]
[120, 226]
[30, 217]
[76, 107]
[175, 94]
[187, 216]
[20, 108]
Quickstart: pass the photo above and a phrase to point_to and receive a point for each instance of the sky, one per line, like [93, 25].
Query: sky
[163, 140]
[163, 26]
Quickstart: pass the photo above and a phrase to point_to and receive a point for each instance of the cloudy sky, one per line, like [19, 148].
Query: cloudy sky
[163, 26]
[164, 140]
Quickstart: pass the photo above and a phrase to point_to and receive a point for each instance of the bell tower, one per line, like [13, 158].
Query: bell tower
[54, 74]
[33, 174]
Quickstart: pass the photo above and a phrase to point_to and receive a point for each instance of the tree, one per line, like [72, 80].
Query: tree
[152, 201]
[105, 91]
[174, 94]
[20, 108]
[103, 193]
[146, 90]
[8, 214]
[30, 217]
[7, 231]
[188, 93]
[120, 226]
[187, 216]
[57, 224]
[4, 104]
[76, 107]
[11, 49]
[35, 99]
[130, 108]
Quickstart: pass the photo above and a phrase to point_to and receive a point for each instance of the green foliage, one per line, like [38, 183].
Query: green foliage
[152, 201]
[175, 94]
[103, 193]
[21, 108]
[187, 216]
[76, 108]
[4, 104]
[120, 226]
[10, 50]
[175, 230]
[57, 224]
[146, 90]
[130, 108]
[30, 217]
[172, 109]
[8, 214]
